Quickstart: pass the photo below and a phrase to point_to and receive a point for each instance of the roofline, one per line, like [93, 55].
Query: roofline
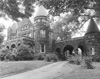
[92, 32]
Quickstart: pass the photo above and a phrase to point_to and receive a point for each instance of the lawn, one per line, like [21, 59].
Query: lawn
[15, 67]
[81, 73]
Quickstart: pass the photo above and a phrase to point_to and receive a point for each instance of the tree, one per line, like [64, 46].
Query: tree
[16, 9]
[2, 27]
[75, 6]
[24, 53]
[60, 28]
[80, 9]
[64, 27]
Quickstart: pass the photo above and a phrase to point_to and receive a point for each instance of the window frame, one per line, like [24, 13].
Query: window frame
[42, 49]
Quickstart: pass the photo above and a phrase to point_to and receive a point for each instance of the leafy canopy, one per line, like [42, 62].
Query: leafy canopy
[23, 8]
[2, 27]
[16, 9]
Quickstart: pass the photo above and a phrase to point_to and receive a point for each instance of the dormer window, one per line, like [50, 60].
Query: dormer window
[25, 27]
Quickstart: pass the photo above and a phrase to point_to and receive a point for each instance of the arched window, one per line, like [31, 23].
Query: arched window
[13, 46]
[25, 27]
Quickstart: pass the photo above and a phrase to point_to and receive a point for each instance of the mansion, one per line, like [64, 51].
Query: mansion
[38, 35]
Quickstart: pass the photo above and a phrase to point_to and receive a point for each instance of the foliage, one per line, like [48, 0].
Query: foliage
[63, 28]
[56, 7]
[16, 8]
[2, 27]
[80, 10]
[39, 56]
[51, 57]
[87, 63]
[76, 7]
[1, 38]
[96, 58]
[24, 53]
[5, 54]
[74, 60]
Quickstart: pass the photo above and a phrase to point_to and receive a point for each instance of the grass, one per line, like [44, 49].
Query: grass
[16, 67]
[81, 73]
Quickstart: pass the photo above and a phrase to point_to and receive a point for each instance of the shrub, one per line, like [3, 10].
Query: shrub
[74, 60]
[39, 56]
[24, 53]
[87, 63]
[51, 57]
[96, 58]
[4, 54]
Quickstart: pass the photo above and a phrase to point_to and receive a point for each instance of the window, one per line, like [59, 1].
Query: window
[30, 35]
[42, 48]
[93, 51]
[24, 35]
[38, 20]
[43, 20]
[25, 27]
[42, 33]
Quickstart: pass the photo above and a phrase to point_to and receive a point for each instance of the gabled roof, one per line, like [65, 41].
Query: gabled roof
[41, 11]
[13, 28]
[24, 23]
[92, 27]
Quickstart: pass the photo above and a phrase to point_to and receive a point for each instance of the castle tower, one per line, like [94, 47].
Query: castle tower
[92, 27]
[92, 36]
[41, 34]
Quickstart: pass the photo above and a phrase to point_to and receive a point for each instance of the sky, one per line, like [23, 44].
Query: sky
[6, 23]
[9, 22]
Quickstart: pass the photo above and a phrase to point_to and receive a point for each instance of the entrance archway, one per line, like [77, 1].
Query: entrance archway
[81, 50]
[68, 48]
[58, 53]
[58, 50]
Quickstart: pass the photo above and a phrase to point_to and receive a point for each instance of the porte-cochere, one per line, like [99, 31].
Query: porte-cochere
[86, 43]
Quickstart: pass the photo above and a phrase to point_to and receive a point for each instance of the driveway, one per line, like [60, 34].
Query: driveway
[51, 71]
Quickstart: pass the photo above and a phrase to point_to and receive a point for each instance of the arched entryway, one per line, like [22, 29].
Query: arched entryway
[13, 46]
[81, 50]
[68, 49]
[58, 52]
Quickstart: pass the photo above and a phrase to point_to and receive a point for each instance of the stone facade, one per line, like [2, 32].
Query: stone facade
[37, 33]
[88, 44]
[40, 37]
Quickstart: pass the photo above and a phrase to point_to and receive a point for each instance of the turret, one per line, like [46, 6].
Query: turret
[92, 36]
[42, 28]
